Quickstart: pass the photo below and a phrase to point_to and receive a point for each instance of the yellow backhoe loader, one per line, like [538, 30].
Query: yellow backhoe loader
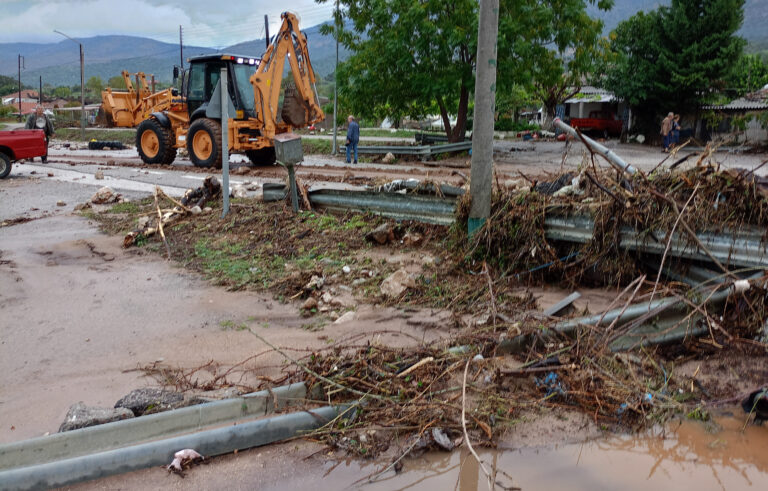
[191, 118]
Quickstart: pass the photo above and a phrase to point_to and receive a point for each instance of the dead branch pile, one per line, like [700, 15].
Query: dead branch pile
[191, 203]
[702, 198]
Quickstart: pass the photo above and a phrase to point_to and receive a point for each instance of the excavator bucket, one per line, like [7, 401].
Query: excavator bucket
[295, 111]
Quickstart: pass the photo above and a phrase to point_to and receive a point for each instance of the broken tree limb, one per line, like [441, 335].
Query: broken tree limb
[160, 224]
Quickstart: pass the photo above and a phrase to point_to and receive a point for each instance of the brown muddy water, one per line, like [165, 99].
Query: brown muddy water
[687, 456]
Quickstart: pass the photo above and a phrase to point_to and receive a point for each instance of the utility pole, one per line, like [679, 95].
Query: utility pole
[181, 49]
[82, 83]
[336, 85]
[40, 92]
[481, 180]
[266, 31]
[223, 84]
[21, 59]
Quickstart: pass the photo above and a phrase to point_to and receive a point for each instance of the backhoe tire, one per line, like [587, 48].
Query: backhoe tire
[155, 142]
[262, 156]
[5, 165]
[204, 143]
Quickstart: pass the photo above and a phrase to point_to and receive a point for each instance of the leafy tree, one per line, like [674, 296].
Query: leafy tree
[62, 92]
[116, 82]
[94, 86]
[672, 58]
[750, 73]
[410, 57]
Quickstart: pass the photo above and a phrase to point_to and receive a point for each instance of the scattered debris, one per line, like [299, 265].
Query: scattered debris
[61, 203]
[389, 158]
[99, 175]
[104, 145]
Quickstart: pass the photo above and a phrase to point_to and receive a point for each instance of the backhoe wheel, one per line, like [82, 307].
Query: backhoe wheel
[204, 143]
[5, 165]
[262, 156]
[155, 142]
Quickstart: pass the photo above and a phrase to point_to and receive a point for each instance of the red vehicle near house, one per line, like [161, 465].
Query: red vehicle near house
[20, 144]
[602, 122]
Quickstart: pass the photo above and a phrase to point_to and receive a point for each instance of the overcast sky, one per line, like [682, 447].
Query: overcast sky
[214, 23]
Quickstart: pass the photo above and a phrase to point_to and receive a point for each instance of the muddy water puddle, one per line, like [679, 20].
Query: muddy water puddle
[687, 456]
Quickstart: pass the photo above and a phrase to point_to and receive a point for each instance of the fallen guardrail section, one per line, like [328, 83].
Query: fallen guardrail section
[211, 429]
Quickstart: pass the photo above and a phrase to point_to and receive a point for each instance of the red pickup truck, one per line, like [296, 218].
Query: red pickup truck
[602, 122]
[20, 144]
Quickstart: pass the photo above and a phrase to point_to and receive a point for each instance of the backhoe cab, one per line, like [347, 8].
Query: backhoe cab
[192, 118]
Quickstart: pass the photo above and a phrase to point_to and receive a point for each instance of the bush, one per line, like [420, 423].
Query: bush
[509, 124]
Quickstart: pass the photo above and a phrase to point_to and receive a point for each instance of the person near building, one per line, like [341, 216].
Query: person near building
[38, 120]
[353, 137]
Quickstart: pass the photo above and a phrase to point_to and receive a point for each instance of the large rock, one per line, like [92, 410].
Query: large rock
[150, 400]
[381, 234]
[82, 416]
[396, 283]
[104, 195]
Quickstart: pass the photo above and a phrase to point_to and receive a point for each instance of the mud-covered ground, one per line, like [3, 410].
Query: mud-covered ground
[81, 314]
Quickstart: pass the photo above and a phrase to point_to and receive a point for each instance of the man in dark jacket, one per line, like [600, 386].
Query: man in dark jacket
[38, 120]
[353, 137]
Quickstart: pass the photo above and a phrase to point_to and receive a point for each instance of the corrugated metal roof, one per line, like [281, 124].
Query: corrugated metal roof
[740, 104]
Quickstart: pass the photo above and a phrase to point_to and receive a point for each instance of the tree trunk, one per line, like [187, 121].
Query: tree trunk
[444, 116]
[461, 118]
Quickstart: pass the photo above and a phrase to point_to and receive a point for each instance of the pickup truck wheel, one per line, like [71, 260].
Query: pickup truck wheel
[262, 156]
[5, 165]
[155, 142]
[204, 143]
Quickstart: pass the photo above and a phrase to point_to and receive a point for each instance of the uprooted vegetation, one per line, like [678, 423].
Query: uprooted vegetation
[509, 361]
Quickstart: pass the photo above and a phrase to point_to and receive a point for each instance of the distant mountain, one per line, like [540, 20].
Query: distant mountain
[753, 30]
[105, 56]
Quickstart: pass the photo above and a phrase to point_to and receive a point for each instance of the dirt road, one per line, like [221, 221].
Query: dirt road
[79, 313]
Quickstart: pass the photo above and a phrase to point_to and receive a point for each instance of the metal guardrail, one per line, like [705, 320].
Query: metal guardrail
[429, 209]
[422, 151]
[743, 247]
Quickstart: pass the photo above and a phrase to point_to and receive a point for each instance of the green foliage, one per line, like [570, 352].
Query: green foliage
[749, 73]
[509, 124]
[117, 82]
[671, 58]
[94, 86]
[5, 111]
[9, 85]
[62, 92]
[416, 57]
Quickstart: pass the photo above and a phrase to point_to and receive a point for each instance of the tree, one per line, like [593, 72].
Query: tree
[94, 85]
[672, 58]
[62, 92]
[749, 73]
[410, 57]
[117, 82]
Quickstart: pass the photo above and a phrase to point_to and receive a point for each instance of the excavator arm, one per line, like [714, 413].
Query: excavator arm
[266, 81]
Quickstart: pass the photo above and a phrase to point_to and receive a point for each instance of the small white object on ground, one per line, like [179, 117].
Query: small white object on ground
[183, 457]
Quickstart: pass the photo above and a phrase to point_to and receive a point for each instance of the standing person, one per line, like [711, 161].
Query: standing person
[666, 130]
[39, 121]
[353, 137]
[675, 131]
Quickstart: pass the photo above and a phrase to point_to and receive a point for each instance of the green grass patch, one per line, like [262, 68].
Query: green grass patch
[312, 146]
[387, 133]
[127, 136]
[127, 207]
